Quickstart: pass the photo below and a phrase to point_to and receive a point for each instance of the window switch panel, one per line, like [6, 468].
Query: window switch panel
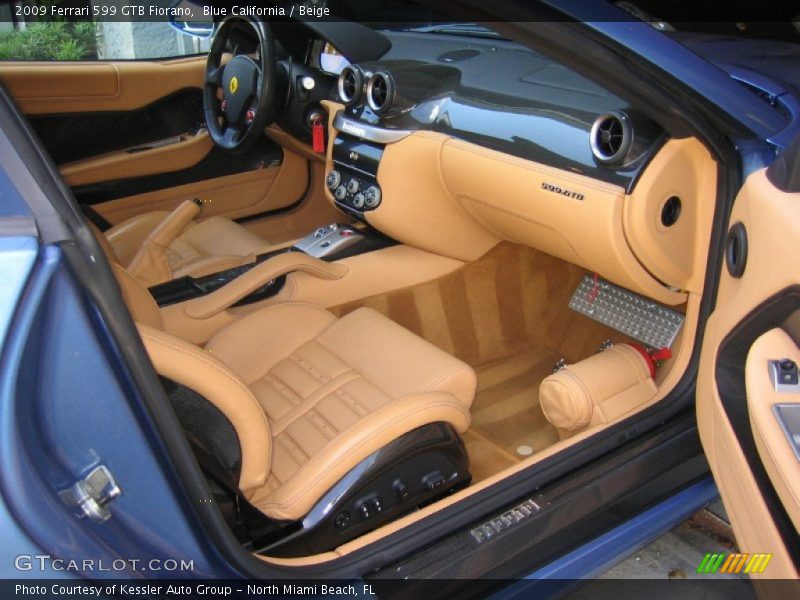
[784, 375]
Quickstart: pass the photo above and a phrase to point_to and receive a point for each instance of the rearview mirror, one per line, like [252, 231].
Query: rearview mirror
[198, 25]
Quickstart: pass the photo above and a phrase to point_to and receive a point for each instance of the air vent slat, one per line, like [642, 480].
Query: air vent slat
[380, 92]
[351, 84]
[611, 138]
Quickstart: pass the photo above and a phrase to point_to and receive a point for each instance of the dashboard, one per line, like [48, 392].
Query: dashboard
[501, 96]
[453, 144]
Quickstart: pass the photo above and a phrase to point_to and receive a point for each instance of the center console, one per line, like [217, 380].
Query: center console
[329, 240]
[329, 243]
[353, 180]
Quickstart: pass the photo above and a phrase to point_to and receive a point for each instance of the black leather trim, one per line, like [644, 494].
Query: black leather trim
[217, 163]
[74, 136]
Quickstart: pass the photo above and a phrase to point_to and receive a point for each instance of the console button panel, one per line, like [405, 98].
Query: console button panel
[352, 190]
[353, 179]
[329, 240]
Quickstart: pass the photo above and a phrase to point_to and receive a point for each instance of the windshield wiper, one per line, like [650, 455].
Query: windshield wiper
[464, 29]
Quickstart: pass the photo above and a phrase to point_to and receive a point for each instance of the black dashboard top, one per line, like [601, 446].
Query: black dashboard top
[503, 96]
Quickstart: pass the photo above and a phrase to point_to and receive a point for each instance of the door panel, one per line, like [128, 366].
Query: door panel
[42, 88]
[778, 456]
[71, 137]
[129, 138]
[236, 196]
[748, 324]
[163, 156]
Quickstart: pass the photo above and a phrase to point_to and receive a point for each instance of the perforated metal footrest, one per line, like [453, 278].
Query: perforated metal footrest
[628, 313]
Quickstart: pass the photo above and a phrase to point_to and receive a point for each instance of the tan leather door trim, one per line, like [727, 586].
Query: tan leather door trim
[772, 220]
[773, 446]
[232, 196]
[58, 88]
[123, 164]
[41, 88]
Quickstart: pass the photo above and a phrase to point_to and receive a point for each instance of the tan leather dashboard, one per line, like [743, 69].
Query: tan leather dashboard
[515, 199]
[458, 199]
[677, 255]
[417, 207]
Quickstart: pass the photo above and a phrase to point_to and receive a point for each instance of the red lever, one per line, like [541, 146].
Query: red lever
[318, 136]
[663, 354]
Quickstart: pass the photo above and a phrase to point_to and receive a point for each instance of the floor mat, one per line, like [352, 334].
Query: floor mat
[506, 411]
[485, 458]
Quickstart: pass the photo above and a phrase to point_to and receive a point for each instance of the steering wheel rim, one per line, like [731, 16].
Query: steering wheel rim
[236, 121]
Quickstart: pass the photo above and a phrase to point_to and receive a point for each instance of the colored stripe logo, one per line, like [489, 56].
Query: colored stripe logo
[721, 562]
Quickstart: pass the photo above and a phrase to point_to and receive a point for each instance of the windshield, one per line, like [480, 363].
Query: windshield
[463, 29]
[698, 16]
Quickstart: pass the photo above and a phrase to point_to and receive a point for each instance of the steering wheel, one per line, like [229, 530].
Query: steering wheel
[238, 96]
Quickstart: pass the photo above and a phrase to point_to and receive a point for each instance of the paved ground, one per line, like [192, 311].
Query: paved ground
[675, 556]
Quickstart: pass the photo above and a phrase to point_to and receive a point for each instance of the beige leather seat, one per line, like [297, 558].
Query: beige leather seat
[159, 246]
[309, 395]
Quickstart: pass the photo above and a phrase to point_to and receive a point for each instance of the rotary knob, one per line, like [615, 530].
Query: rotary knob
[372, 196]
[358, 201]
[333, 180]
[352, 186]
[340, 193]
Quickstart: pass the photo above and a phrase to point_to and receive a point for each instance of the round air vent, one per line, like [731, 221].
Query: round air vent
[380, 91]
[611, 137]
[351, 84]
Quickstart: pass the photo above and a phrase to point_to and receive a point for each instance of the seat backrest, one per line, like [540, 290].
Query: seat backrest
[197, 369]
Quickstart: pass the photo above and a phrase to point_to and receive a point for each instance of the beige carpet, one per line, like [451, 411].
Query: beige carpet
[506, 410]
[511, 300]
[507, 316]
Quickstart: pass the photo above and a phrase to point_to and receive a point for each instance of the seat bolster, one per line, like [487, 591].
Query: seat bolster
[255, 343]
[295, 497]
[138, 299]
[195, 368]
[105, 245]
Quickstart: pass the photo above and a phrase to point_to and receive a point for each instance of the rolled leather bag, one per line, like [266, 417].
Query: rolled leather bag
[598, 390]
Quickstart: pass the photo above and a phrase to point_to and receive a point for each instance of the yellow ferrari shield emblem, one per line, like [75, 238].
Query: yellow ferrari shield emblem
[234, 84]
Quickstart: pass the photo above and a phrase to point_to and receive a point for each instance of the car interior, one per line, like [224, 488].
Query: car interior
[379, 271]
